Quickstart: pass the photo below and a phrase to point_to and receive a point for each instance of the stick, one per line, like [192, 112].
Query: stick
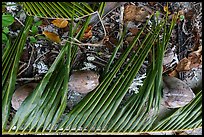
[28, 62]
[29, 79]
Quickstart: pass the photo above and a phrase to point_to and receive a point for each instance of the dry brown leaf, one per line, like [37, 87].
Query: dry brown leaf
[52, 36]
[195, 60]
[87, 35]
[60, 23]
[196, 57]
[173, 73]
[45, 22]
[129, 39]
[183, 65]
[181, 12]
[88, 28]
[134, 13]
[199, 51]
[166, 9]
[181, 133]
[109, 42]
[134, 31]
[88, 32]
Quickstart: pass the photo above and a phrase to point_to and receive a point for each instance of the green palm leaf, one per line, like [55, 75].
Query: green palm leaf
[42, 109]
[140, 120]
[10, 65]
[57, 9]
[85, 111]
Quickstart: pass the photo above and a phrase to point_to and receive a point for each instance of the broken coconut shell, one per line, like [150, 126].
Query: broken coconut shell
[21, 93]
[135, 13]
[176, 93]
[83, 81]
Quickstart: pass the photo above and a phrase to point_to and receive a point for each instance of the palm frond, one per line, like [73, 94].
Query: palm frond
[101, 8]
[107, 99]
[47, 102]
[10, 63]
[56, 9]
[138, 118]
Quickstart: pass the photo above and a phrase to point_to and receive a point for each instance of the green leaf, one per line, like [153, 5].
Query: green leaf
[34, 29]
[157, 14]
[9, 70]
[182, 17]
[4, 37]
[7, 20]
[38, 23]
[33, 39]
[6, 30]
[56, 9]
[40, 37]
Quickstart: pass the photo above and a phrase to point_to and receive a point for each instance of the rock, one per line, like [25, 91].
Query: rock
[176, 93]
[83, 81]
[21, 93]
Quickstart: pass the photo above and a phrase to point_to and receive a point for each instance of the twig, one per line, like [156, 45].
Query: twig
[54, 51]
[32, 51]
[100, 59]
[89, 51]
[19, 21]
[104, 30]
[29, 79]
[80, 43]
[180, 48]
[86, 15]
[24, 64]
[102, 24]
[99, 63]
[183, 28]
[90, 44]
[187, 40]
[41, 56]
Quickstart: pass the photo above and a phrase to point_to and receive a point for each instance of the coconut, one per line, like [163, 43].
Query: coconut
[83, 81]
[176, 93]
[21, 94]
